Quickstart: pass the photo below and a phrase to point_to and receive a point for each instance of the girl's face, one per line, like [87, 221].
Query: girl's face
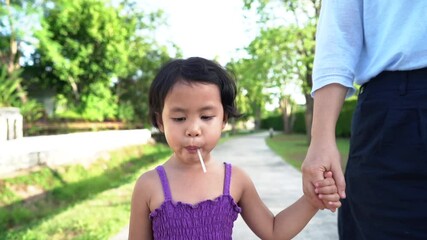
[192, 118]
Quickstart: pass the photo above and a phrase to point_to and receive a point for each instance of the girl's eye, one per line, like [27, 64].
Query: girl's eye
[207, 117]
[180, 119]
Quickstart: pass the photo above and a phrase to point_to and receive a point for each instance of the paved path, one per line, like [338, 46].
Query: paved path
[278, 184]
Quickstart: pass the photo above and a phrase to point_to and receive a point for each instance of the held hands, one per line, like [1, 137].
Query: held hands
[327, 191]
[322, 157]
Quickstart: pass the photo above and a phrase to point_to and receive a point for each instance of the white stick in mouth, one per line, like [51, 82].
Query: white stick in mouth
[201, 160]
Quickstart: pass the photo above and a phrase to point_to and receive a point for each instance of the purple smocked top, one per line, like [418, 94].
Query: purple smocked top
[209, 219]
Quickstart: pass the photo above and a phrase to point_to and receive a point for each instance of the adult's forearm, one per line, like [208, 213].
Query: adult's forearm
[328, 102]
[323, 155]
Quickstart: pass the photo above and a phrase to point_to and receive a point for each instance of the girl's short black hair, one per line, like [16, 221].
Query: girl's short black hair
[194, 69]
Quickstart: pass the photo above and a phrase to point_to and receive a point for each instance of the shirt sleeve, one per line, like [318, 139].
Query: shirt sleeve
[339, 39]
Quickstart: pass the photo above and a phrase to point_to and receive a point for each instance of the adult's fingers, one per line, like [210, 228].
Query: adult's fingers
[312, 196]
[310, 177]
[339, 178]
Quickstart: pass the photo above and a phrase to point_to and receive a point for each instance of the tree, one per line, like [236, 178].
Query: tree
[83, 46]
[98, 56]
[250, 86]
[269, 69]
[132, 90]
[301, 16]
[9, 84]
[12, 35]
[144, 61]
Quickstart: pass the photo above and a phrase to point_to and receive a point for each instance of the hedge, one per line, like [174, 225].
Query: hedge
[343, 128]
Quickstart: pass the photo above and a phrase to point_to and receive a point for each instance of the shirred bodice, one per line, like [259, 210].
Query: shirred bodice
[209, 219]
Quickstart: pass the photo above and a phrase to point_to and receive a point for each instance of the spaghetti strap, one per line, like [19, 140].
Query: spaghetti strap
[227, 179]
[165, 183]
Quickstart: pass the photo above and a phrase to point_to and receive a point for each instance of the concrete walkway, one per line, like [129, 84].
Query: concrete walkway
[278, 184]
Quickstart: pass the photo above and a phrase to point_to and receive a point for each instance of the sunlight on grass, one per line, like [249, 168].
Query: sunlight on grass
[78, 202]
[293, 148]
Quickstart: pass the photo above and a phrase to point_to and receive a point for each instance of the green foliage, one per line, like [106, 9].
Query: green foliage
[275, 62]
[132, 90]
[31, 110]
[82, 42]
[10, 93]
[251, 79]
[88, 52]
[343, 126]
[275, 122]
[9, 87]
[16, 23]
[288, 49]
[299, 124]
[126, 111]
[99, 103]
[286, 44]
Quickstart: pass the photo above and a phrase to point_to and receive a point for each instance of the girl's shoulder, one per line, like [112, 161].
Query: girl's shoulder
[148, 178]
[240, 181]
[239, 174]
[147, 193]
[148, 183]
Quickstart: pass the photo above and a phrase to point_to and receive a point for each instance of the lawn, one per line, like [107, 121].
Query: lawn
[75, 202]
[293, 148]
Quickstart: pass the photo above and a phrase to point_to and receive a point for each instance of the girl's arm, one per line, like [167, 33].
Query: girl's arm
[285, 225]
[140, 224]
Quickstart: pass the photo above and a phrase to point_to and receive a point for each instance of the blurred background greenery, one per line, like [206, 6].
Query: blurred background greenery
[65, 64]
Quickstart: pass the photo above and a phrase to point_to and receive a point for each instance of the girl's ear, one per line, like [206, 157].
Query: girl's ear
[159, 122]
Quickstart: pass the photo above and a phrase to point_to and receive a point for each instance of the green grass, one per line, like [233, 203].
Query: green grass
[293, 148]
[76, 202]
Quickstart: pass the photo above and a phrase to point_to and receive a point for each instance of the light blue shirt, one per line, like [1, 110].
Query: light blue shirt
[358, 39]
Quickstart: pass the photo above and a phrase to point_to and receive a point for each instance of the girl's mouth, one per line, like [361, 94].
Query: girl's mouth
[192, 149]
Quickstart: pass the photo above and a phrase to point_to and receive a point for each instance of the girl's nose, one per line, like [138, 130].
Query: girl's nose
[193, 131]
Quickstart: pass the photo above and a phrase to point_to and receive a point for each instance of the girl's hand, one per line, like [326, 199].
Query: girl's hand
[327, 191]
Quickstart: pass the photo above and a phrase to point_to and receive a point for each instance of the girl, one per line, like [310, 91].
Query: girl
[190, 102]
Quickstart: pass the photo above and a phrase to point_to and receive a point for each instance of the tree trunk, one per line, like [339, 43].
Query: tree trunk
[13, 51]
[233, 126]
[286, 115]
[257, 118]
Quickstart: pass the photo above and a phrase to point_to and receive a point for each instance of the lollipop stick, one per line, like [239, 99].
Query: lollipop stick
[201, 160]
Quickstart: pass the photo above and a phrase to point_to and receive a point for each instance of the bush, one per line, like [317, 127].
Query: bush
[343, 128]
[31, 111]
[299, 124]
[275, 122]
[99, 103]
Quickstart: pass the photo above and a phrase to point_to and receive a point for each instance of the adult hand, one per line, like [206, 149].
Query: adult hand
[322, 156]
